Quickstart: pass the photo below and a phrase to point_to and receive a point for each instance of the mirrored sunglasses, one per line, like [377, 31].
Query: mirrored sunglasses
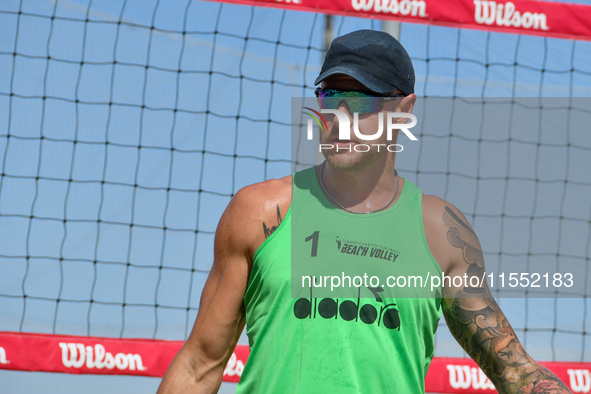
[360, 102]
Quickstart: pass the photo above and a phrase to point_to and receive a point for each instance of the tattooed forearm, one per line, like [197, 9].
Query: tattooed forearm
[269, 230]
[545, 382]
[489, 339]
[482, 329]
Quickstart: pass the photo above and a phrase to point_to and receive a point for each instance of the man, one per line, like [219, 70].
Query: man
[308, 345]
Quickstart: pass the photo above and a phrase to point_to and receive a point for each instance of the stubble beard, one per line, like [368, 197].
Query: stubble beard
[353, 161]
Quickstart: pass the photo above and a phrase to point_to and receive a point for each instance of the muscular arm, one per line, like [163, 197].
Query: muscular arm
[246, 222]
[473, 316]
[199, 365]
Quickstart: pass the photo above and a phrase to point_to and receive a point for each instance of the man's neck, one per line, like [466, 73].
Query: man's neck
[361, 190]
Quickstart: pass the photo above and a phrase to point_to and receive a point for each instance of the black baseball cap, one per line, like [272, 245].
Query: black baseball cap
[374, 58]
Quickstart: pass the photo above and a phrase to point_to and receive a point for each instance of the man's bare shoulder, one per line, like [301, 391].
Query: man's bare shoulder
[262, 197]
[255, 212]
[435, 210]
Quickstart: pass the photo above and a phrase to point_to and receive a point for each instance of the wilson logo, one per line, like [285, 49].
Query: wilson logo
[488, 12]
[580, 381]
[76, 355]
[465, 377]
[3, 356]
[404, 7]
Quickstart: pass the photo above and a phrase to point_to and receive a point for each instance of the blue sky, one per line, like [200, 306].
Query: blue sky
[158, 122]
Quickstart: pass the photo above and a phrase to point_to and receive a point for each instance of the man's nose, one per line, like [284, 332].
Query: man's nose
[344, 108]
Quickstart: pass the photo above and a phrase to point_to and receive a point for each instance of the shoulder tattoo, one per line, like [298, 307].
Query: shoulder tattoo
[269, 230]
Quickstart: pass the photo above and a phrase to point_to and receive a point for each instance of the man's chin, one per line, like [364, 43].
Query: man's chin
[350, 161]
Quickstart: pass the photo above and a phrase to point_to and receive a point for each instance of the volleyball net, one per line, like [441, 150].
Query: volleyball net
[127, 127]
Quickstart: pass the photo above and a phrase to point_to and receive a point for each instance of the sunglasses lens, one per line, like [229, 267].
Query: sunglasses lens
[363, 105]
[356, 101]
[329, 102]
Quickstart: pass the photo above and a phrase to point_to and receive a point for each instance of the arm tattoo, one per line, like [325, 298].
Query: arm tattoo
[268, 231]
[460, 235]
[489, 339]
[481, 328]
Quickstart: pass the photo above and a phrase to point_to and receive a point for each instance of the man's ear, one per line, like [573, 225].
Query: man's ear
[407, 104]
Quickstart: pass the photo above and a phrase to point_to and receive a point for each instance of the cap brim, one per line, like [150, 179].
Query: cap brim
[371, 82]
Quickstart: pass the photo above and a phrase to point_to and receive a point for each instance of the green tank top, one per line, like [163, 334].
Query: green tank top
[368, 344]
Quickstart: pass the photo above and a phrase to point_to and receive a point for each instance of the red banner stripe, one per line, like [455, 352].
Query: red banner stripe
[543, 18]
[99, 356]
[462, 375]
[149, 357]
[85, 355]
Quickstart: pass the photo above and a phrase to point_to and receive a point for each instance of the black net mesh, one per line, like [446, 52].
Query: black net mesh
[127, 126]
